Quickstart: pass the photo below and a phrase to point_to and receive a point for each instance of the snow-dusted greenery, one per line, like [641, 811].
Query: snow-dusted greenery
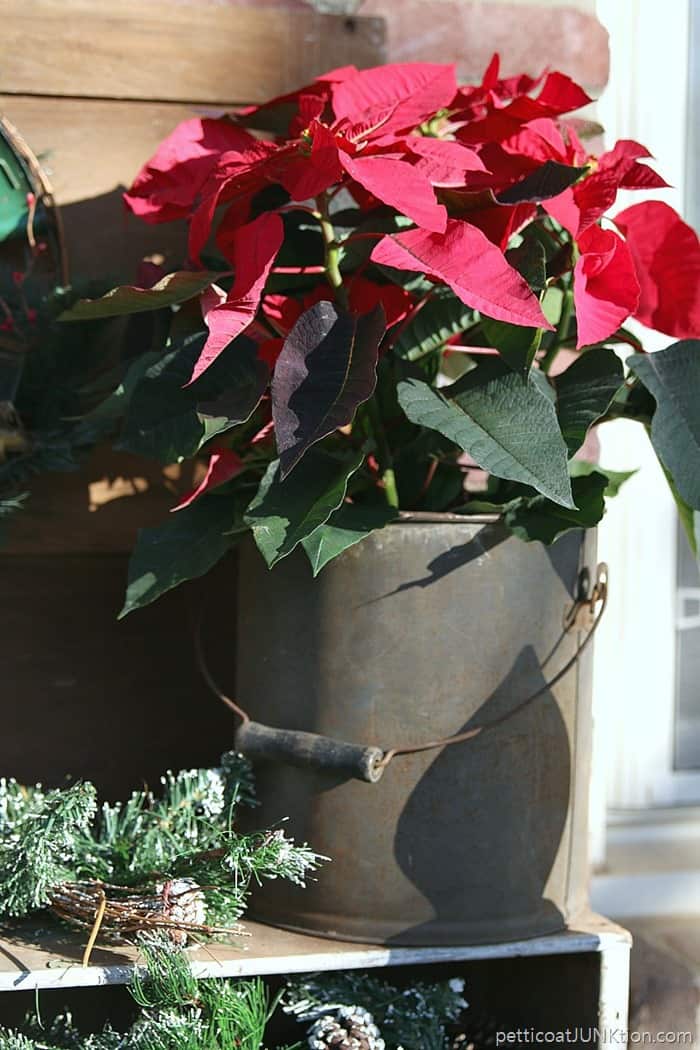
[50, 839]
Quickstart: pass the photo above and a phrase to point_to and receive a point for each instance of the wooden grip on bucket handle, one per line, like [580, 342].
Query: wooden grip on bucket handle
[368, 762]
[297, 748]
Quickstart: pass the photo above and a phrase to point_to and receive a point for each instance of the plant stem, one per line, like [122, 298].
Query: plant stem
[567, 307]
[335, 279]
[331, 252]
[384, 457]
[298, 269]
[392, 492]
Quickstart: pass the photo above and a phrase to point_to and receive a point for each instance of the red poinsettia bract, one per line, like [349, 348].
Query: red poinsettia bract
[445, 179]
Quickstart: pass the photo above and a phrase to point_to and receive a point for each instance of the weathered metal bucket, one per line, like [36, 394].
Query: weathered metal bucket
[420, 632]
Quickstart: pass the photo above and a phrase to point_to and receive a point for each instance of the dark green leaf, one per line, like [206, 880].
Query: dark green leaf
[184, 547]
[415, 283]
[585, 391]
[104, 416]
[242, 378]
[161, 420]
[302, 241]
[530, 260]
[690, 519]
[283, 513]
[540, 519]
[174, 288]
[516, 345]
[168, 420]
[445, 488]
[326, 369]
[507, 425]
[349, 524]
[672, 376]
[579, 468]
[548, 181]
[443, 316]
[355, 253]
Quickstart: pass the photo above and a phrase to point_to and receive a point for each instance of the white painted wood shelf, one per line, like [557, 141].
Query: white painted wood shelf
[32, 957]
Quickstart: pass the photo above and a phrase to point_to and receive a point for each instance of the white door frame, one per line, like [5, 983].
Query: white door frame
[634, 677]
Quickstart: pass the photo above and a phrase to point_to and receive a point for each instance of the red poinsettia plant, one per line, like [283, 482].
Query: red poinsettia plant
[401, 295]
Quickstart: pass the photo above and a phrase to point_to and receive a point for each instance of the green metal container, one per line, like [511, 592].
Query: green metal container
[420, 632]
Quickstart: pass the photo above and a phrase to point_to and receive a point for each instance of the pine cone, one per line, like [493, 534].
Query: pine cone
[352, 1028]
[183, 901]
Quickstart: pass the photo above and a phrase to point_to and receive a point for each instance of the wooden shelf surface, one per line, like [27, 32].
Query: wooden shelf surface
[33, 957]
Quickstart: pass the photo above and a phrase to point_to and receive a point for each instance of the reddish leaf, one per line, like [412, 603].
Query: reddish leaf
[269, 350]
[398, 184]
[311, 107]
[287, 112]
[499, 223]
[326, 369]
[496, 125]
[442, 162]
[581, 207]
[252, 249]
[365, 295]
[283, 311]
[471, 102]
[168, 184]
[490, 77]
[623, 160]
[606, 290]
[565, 210]
[559, 94]
[288, 115]
[236, 177]
[666, 254]
[493, 127]
[540, 140]
[337, 75]
[224, 464]
[365, 131]
[417, 90]
[471, 265]
[308, 175]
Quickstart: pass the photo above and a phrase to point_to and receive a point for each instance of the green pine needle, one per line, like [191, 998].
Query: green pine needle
[41, 841]
[50, 839]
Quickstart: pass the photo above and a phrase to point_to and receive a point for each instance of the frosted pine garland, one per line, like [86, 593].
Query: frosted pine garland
[139, 865]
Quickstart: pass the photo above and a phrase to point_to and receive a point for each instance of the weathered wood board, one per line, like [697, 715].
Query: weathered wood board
[91, 149]
[54, 961]
[101, 85]
[191, 52]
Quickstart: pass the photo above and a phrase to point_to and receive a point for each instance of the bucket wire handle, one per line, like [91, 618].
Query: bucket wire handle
[582, 610]
[369, 763]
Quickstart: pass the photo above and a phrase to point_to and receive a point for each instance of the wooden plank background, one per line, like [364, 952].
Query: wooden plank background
[94, 88]
[191, 52]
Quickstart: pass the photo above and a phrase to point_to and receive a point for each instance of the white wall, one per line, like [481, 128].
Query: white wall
[635, 649]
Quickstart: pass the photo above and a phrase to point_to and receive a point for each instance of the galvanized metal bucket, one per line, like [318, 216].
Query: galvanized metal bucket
[420, 632]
